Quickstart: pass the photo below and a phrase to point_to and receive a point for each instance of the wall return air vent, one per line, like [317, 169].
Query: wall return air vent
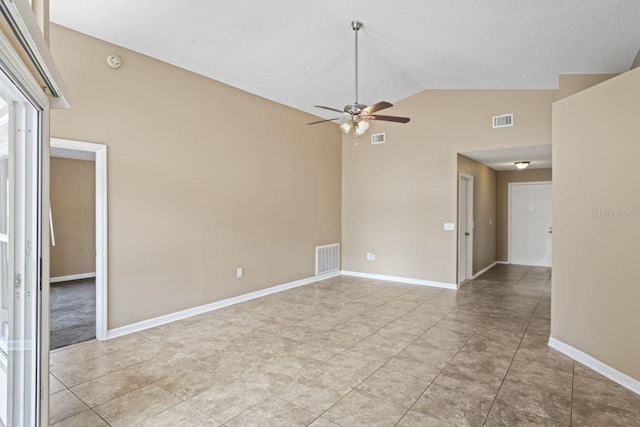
[327, 258]
[503, 121]
[377, 138]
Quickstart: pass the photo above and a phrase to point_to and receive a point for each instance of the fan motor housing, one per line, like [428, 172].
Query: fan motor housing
[354, 109]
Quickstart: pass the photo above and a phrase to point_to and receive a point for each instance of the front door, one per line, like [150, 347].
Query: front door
[530, 229]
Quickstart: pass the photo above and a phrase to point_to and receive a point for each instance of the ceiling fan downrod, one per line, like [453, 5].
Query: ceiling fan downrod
[355, 108]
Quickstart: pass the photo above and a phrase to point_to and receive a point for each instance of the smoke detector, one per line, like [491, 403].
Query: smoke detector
[114, 61]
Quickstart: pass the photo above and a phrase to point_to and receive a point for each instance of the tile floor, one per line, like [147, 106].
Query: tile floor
[346, 352]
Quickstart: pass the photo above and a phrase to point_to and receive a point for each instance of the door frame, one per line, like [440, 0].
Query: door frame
[467, 180]
[102, 283]
[510, 186]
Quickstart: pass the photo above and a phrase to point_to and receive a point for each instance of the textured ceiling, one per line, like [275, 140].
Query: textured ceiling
[504, 159]
[300, 52]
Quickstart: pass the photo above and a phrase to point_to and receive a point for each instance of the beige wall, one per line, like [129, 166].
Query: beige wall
[203, 178]
[397, 196]
[570, 84]
[484, 211]
[73, 202]
[595, 284]
[503, 178]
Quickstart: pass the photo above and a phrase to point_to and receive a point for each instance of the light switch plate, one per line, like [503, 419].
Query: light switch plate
[449, 226]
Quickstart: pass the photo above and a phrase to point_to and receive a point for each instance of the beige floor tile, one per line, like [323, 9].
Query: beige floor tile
[225, 400]
[452, 406]
[538, 375]
[55, 385]
[181, 415]
[140, 353]
[87, 370]
[394, 386]
[110, 386]
[193, 381]
[593, 414]
[479, 384]
[124, 343]
[86, 418]
[347, 370]
[164, 365]
[136, 406]
[74, 354]
[504, 416]
[273, 412]
[604, 392]
[314, 392]
[361, 409]
[323, 422]
[64, 404]
[543, 402]
[418, 419]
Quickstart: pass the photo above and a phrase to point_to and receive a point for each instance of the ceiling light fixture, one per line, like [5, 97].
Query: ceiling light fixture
[356, 116]
[522, 165]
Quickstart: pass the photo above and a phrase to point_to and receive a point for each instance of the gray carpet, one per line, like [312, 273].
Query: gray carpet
[73, 312]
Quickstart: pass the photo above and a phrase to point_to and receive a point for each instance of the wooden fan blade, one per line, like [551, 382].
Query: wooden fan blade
[377, 107]
[329, 108]
[388, 118]
[323, 121]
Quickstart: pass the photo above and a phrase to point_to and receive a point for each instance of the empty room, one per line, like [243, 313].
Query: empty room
[297, 213]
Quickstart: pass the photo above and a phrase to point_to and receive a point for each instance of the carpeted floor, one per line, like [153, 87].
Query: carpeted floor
[73, 312]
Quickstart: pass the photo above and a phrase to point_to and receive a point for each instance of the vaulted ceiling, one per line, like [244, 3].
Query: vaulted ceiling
[301, 53]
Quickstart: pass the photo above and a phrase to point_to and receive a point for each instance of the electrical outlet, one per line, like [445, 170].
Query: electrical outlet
[373, 257]
[239, 272]
[368, 256]
[449, 226]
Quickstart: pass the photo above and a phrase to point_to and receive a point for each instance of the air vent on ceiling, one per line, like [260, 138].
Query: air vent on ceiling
[377, 138]
[503, 121]
[327, 258]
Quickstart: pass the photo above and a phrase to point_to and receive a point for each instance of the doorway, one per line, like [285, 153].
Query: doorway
[465, 227]
[530, 223]
[86, 283]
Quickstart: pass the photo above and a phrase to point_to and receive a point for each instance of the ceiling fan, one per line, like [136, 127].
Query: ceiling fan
[355, 116]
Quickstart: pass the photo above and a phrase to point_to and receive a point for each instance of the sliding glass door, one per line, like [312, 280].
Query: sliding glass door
[19, 254]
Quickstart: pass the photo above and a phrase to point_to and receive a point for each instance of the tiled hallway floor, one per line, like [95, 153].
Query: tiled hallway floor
[346, 352]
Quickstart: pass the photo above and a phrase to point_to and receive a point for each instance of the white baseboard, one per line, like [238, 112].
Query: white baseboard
[503, 262]
[161, 320]
[603, 369]
[420, 282]
[484, 270]
[72, 277]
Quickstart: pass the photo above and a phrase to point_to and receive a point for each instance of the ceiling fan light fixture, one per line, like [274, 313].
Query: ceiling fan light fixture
[361, 127]
[522, 165]
[346, 127]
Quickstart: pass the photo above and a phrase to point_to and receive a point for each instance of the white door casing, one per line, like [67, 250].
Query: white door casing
[99, 153]
[530, 223]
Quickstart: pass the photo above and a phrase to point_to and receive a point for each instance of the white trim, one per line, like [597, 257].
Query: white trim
[22, 14]
[21, 73]
[72, 277]
[410, 281]
[590, 362]
[102, 280]
[167, 318]
[509, 187]
[487, 268]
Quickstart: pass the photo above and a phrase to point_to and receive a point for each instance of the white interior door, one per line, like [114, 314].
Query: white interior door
[465, 228]
[530, 226]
